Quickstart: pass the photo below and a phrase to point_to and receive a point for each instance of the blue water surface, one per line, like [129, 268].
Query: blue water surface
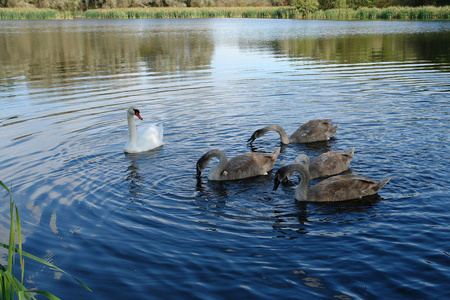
[142, 226]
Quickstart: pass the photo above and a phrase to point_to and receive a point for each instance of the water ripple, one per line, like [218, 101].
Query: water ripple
[152, 227]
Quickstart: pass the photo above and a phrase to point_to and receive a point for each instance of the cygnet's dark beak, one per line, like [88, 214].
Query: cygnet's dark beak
[199, 172]
[251, 139]
[276, 183]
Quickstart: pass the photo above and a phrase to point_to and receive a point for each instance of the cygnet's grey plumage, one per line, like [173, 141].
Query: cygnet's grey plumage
[239, 167]
[312, 131]
[335, 188]
[328, 163]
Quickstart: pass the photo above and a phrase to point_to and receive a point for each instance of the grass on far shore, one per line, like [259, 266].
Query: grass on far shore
[364, 13]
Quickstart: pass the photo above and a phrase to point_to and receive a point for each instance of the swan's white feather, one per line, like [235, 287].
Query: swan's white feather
[144, 138]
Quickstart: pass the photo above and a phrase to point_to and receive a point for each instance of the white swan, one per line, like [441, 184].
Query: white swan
[239, 167]
[312, 131]
[145, 138]
[328, 163]
[335, 188]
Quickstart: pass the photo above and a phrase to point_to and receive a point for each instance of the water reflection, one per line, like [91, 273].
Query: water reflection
[170, 51]
[262, 149]
[52, 56]
[133, 178]
[369, 48]
[364, 205]
[211, 197]
[212, 188]
[290, 226]
[135, 181]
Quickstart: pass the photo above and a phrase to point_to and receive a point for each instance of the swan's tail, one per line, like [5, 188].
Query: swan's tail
[381, 183]
[351, 151]
[335, 128]
[161, 134]
[274, 154]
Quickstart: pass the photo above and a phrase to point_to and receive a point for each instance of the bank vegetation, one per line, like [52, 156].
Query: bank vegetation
[286, 9]
[363, 13]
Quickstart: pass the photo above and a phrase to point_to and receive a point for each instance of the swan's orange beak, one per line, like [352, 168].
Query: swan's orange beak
[138, 115]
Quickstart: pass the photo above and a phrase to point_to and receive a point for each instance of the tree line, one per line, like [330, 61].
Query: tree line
[302, 5]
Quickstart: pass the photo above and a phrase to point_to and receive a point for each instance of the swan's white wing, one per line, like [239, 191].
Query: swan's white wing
[150, 137]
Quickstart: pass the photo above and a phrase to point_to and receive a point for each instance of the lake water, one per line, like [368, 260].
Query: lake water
[143, 227]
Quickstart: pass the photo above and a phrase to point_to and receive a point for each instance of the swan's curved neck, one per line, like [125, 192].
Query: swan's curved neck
[280, 130]
[301, 193]
[132, 138]
[303, 158]
[217, 170]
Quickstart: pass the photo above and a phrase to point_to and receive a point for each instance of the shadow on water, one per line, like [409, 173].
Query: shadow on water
[235, 199]
[211, 197]
[208, 188]
[318, 147]
[311, 149]
[260, 149]
[231, 187]
[354, 205]
[308, 217]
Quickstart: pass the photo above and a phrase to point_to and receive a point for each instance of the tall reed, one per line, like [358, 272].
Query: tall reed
[415, 13]
[334, 14]
[366, 13]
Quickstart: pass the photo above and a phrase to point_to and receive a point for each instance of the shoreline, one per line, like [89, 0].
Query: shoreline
[281, 12]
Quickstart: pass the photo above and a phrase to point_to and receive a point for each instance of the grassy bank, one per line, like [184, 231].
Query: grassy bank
[37, 14]
[389, 13]
[199, 12]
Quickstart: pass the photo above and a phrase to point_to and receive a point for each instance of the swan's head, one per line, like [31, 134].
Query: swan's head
[133, 111]
[257, 134]
[281, 176]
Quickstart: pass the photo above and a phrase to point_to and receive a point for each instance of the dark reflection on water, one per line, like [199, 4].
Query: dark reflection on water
[50, 51]
[370, 48]
[144, 226]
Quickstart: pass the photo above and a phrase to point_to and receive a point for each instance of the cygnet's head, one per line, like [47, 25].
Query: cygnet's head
[282, 175]
[257, 134]
[201, 164]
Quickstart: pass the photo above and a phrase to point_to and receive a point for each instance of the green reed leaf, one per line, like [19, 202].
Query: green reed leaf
[16, 286]
[52, 266]
[4, 186]
[46, 294]
[19, 242]
[12, 236]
